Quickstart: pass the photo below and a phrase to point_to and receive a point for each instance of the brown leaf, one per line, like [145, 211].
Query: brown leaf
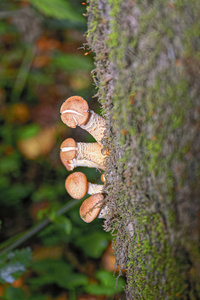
[18, 112]
[39, 145]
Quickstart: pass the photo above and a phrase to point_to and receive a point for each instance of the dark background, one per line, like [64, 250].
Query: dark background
[44, 60]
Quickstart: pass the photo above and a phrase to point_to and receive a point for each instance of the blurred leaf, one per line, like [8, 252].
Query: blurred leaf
[80, 80]
[70, 62]
[10, 163]
[4, 182]
[39, 210]
[45, 44]
[73, 280]
[46, 252]
[11, 57]
[53, 235]
[37, 297]
[14, 264]
[4, 27]
[11, 196]
[94, 243]
[41, 61]
[14, 293]
[39, 78]
[28, 131]
[49, 271]
[59, 9]
[107, 284]
[64, 223]
[56, 271]
[45, 192]
[40, 144]
[17, 192]
[7, 134]
[18, 112]
[95, 289]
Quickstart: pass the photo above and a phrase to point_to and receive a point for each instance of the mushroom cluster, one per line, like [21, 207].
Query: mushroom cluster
[75, 112]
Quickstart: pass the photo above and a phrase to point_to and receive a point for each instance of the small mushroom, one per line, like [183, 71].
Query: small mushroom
[103, 178]
[75, 112]
[91, 207]
[77, 186]
[90, 152]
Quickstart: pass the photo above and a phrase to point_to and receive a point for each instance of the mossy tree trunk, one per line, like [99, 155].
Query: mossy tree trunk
[147, 58]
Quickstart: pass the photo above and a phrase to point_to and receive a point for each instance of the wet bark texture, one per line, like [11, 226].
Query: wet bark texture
[147, 73]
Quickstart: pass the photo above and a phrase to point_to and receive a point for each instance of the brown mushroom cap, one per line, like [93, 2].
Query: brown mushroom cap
[103, 178]
[76, 185]
[69, 143]
[80, 114]
[66, 162]
[91, 207]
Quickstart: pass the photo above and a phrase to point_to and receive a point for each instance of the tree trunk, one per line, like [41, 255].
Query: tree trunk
[147, 70]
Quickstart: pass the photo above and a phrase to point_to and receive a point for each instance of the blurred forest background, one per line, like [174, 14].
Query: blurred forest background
[44, 61]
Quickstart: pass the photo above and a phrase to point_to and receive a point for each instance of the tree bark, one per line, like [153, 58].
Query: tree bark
[147, 71]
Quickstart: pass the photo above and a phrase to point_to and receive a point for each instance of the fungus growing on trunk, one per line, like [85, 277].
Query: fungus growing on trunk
[91, 207]
[75, 112]
[103, 178]
[77, 186]
[90, 152]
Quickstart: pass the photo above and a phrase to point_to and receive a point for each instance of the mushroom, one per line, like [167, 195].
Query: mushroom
[91, 207]
[91, 153]
[103, 178]
[77, 186]
[75, 112]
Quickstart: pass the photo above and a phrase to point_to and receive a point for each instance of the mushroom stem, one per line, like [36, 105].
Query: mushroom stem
[70, 164]
[95, 126]
[75, 112]
[89, 152]
[94, 188]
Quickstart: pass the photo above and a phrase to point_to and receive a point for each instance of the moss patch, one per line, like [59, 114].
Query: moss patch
[147, 74]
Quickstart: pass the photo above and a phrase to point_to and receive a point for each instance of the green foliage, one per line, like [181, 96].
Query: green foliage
[10, 164]
[59, 9]
[56, 272]
[14, 293]
[14, 264]
[16, 194]
[93, 243]
[106, 284]
[28, 131]
[47, 192]
[35, 78]
[64, 223]
[70, 62]
[4, 27]
[55, 234]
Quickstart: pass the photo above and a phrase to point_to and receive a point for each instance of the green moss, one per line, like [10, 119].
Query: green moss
[150, 105]
[148, 257]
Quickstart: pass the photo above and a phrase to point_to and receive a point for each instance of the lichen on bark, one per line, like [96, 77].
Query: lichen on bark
[147, 71]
